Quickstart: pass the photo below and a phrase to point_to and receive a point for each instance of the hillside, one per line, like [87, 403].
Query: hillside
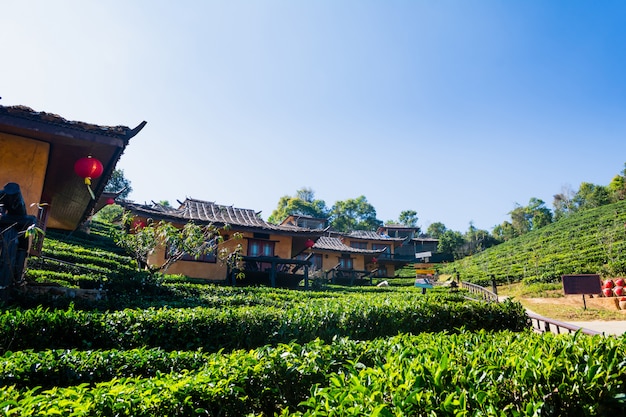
[589, 242]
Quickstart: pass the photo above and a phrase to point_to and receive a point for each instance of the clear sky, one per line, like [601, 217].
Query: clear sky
[458, 110]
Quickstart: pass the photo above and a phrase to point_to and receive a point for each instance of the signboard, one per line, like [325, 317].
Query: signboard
[420, 255]
[425, 272]
[582, 284]
[423, 283]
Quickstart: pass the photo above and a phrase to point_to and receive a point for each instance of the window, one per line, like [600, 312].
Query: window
[345, 262]
[258, 247]
[387, 248]
[358, 244]
[316, 260]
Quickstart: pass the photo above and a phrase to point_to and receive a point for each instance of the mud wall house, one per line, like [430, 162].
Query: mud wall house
[340, 263]
[270, 252]
[38, 151]
[389, 260]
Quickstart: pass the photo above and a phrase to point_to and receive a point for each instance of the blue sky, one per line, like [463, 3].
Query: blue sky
[458, 110]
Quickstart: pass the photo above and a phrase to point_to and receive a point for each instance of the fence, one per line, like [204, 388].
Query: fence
[539, 324]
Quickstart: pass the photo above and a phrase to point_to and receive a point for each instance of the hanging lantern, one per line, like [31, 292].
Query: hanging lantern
[88, 168]
[374, 260]
[110, 201]
[309, 243]
[137, 224]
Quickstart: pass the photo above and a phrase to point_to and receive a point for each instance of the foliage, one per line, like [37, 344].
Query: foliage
[118, 183]
[354, 214]
[359, 315]
[408, 218]
[470, 373]
[590, 241]
[109, 213]
[303, 203]
[194, 240]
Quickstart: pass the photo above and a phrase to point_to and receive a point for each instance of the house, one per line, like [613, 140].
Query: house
[40, 185]
[39, 151]
[270, 252]
[341, 263]
[359, 254]
[390, 258]
[412, 243]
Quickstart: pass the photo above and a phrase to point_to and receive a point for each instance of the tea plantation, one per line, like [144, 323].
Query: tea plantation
[176, 347]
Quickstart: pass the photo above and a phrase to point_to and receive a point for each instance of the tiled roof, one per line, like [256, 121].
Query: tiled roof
[336, 245]
[209, 212]
[366, 234]
[27, 113]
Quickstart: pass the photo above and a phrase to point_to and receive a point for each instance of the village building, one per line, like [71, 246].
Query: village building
[270, 252]
[42, 155]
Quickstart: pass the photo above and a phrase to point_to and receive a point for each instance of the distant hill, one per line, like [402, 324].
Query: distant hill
[589, 242]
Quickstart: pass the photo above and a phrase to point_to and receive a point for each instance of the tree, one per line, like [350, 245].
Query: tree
[118, 183]
[303, 203]
[531, 217]
[354, 214]
[408, 218]
[435, 230]
[451, 242]
[617, 187]
[591, 196]
[563, 203]
[140, 240]
[504, 231]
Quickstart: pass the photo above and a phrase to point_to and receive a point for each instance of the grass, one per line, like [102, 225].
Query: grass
[548, 300]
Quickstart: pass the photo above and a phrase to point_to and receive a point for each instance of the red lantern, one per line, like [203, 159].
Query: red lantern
[110, 201]
[309, 243]
[88, 168]
[374, 260]
[137, 224]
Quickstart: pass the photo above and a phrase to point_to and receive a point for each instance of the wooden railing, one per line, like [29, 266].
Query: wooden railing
[542, 324]
[539, 324]
[482, 293]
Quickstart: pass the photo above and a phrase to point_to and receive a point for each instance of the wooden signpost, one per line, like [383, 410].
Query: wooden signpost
[582, 284]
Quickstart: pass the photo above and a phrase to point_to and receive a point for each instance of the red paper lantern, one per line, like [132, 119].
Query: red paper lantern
[374, 260]
[88, 168]
[110, 201]
[309, 243]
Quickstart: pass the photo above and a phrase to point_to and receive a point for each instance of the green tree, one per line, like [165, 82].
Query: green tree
[451, 242]
[617, 187]
[531, 217]
[194, 240]
[354, 214]
[477, 240]
[118, 183]
[435, 230]
[591, 196]
[538, 214]
[408, 218]
[504, 231]
[303, 203]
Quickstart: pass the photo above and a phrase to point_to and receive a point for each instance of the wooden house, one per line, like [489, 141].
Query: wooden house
[389, 260]
[270, 252]
[38, 182]
[39, 151]
[341, 263]
[412, 243]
